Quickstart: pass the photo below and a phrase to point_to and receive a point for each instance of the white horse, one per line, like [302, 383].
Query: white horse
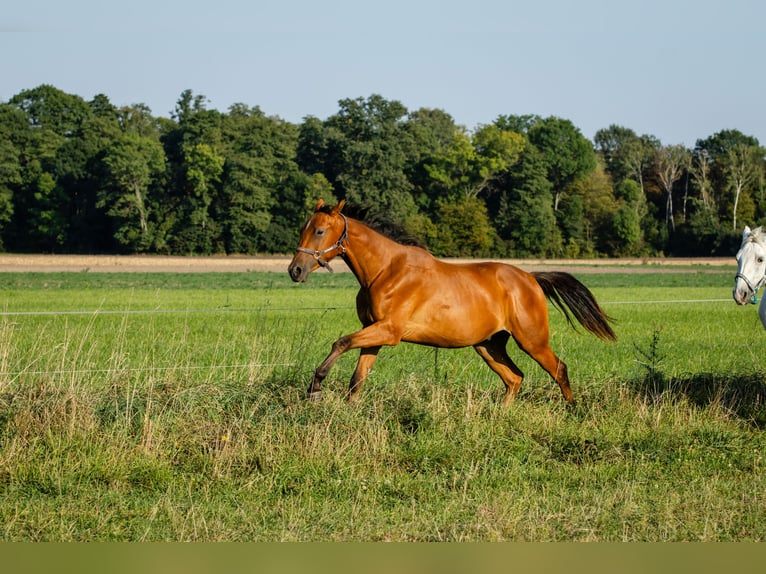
[751, 270]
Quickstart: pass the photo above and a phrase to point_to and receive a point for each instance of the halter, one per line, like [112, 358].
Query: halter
[337, 245]
[753, 288]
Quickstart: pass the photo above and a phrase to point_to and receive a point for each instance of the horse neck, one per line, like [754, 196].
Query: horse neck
[368, 253]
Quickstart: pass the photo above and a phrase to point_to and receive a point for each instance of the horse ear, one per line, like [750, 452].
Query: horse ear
[337, 209]
[319, 205]
[746, 232]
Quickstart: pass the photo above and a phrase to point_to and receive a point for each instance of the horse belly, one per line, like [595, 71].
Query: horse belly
[451, 327]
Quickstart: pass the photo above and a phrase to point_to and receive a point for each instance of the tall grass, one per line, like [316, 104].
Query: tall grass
[119, 424]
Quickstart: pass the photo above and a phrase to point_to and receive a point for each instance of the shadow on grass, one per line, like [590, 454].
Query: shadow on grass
[741, 395]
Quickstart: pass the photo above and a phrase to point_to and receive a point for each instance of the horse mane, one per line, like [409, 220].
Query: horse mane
[378, 222]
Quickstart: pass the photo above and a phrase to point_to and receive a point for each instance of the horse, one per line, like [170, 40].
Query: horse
[751, 270]
[408, 295]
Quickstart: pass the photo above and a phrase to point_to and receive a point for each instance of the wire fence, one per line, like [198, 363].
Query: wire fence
[287, 309]
[61, 372]
[167, 311]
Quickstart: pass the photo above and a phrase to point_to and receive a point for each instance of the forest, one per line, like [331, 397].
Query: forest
[79, 176]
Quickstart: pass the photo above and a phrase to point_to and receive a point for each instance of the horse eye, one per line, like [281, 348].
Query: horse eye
[320, 231]
[760, 260]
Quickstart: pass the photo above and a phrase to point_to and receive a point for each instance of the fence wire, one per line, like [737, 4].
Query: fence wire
[286, 309]
[231, 310]
[167, 311]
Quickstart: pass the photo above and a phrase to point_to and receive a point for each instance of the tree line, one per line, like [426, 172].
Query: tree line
[81, 176]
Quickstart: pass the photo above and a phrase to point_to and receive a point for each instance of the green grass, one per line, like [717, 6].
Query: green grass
[171, 407]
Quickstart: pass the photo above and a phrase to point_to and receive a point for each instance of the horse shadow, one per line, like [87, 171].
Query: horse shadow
[742, 395]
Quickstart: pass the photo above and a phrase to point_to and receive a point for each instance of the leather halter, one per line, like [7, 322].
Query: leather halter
[337, 245]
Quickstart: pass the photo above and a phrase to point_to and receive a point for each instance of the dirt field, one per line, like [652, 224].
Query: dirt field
[277, 264]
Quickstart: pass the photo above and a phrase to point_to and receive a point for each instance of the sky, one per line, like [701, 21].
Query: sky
[679, 70]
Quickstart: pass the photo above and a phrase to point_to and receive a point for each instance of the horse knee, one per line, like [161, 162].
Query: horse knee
[341, 345]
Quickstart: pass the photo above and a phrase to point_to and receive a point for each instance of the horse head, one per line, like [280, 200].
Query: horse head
[751, 269]
[322, 238]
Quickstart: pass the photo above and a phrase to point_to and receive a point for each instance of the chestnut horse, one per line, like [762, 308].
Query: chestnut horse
[408, 295]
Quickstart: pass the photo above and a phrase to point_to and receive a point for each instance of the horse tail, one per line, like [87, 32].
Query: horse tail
[564, 291]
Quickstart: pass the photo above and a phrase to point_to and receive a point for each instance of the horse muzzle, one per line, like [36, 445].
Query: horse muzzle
[742, 293]
[742, 296]
[299, 270]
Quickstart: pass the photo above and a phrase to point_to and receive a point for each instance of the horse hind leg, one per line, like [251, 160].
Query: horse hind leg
[555, 367]
[494, 353]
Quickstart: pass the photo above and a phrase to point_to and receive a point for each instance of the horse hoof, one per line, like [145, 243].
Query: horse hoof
[315, 396]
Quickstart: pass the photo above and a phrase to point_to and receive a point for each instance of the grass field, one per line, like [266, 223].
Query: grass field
[154, 406]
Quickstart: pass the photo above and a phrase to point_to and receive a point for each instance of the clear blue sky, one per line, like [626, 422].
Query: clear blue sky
[676, 69]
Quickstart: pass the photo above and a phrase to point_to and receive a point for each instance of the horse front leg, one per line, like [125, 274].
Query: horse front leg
[363, 367]
[339, 347]
[370, 339]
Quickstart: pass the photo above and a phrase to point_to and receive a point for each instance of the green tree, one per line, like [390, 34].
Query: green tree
[464, 229]
[734, 171]
[628, 231]
[452, 170]
[497, 150]
[320, 150]
[612, 144]
[373, 150]
[13, 129]
[471, 165]
[671, 163]
[521, 124]
[626, 154]
[567, 154]
[10, 178]
[589, 227]
[53, 159]
[699, 170]
[263, 187]
[131, 165]
[525, 220]
[744, 167]
[432, 132]
[47, 214]
[317, 187]
[194, 149]
[53, 110]
[80, 177]
[204, 169]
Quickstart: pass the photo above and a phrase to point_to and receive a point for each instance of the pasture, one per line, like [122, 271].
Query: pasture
[170, 406]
